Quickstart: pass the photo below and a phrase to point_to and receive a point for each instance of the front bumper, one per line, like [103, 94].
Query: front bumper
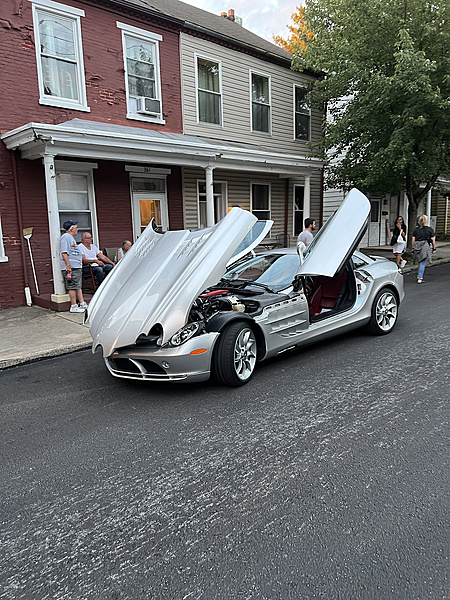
[165, 364]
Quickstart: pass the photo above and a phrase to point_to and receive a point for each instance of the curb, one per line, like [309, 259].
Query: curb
[14, 362]
[435, 263]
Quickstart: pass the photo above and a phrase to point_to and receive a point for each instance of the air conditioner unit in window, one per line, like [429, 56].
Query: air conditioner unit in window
[148, 106]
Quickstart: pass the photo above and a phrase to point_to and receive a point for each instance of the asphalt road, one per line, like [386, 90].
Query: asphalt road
[325, 477]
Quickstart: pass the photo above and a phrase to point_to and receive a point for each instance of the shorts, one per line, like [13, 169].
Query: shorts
[75, 282]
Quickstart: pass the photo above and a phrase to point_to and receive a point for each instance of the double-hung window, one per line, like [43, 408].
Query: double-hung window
[75, 192]
[209, 91]
[261, 201]
[260, 102]
[302, 114]
[220, 201]
[59, 54]
[142, 73]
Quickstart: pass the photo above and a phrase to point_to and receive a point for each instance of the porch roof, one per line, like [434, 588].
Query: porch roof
[79, 138]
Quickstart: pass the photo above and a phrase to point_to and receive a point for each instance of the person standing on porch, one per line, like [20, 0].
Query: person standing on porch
[93, 257]
[71, 263]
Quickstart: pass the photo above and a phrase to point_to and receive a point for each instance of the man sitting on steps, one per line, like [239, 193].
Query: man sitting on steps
[91, 255]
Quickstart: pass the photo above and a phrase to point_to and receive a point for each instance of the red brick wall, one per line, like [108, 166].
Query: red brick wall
[104, 69]
[105, 88]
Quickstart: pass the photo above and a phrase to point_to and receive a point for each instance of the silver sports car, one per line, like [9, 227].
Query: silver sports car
[182, 306]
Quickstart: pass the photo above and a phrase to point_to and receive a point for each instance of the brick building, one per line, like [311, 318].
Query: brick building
[95, 127]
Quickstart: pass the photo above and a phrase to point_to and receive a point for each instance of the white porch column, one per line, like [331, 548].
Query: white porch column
[307, 198]
[209, 196]
[60, 294]
[428, 211]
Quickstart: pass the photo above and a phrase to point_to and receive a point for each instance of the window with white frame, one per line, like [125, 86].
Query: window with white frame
[142, 73]
[302, 114]
[75, 192]
[261, 201]
[260, 102]
[209, 91]
[220, 201]
[3, 257]
[59, 54]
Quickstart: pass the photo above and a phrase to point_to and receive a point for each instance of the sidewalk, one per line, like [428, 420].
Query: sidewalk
[29, 333]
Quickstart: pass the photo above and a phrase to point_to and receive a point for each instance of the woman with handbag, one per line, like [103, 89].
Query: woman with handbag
[423, 239]
[399, 240]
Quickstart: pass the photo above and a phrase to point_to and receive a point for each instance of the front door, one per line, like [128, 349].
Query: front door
[149, 201]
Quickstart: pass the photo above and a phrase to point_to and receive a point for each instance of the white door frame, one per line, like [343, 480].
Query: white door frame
[136, 196]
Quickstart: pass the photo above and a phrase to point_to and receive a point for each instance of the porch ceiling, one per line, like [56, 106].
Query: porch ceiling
[80, 138]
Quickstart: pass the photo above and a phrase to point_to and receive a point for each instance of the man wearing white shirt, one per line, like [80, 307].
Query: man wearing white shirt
[92, 256]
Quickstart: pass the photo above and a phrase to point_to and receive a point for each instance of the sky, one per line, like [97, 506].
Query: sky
[263, 17]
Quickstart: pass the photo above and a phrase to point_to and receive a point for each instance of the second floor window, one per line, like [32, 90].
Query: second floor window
[59, 55]
[142, 75]
[260, 103]
[302, 114]
[209, 91]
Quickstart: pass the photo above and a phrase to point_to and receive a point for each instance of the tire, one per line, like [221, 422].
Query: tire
[384, 312]
[235, 355]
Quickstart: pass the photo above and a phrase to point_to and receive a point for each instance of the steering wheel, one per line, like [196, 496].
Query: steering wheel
[310, 286]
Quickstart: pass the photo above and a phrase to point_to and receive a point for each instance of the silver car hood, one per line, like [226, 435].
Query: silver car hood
[338, 238]
[162, 274]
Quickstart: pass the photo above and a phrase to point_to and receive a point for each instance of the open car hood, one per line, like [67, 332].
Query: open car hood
[162, 274]
[338, 238]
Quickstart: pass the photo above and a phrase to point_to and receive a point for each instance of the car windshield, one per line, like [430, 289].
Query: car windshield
[274, 270]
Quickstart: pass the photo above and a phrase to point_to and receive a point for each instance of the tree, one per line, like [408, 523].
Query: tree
[390, 61]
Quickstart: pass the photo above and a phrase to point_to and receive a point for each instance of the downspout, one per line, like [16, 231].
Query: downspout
[286, 210]
[321, 199]
[19, 220]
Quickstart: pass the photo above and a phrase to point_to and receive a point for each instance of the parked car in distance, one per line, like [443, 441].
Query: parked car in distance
[183, 306]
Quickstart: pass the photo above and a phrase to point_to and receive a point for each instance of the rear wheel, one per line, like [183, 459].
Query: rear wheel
[384, 313]
[234, 358]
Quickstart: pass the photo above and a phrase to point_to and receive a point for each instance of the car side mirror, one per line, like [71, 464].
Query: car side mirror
[301, 247]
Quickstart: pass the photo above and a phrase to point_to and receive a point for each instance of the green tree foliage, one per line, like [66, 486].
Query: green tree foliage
[390, 61]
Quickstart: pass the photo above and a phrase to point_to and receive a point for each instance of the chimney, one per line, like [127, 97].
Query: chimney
[230, 14]
[223, 14]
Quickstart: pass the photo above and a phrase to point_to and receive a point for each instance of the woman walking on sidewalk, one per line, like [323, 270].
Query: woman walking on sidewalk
[423, 243]
[399, 241]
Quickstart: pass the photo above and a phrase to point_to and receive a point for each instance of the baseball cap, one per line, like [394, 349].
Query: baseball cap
[68, 224]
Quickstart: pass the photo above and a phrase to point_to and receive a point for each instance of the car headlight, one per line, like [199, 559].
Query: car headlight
[184, 334]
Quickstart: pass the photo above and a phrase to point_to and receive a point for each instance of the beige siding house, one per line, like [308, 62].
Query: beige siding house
[254, 103]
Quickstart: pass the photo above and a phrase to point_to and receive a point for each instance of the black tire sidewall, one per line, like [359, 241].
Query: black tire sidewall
[223, 368]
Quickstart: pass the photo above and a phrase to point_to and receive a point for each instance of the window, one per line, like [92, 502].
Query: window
[142, 73]
[3, 257]
[299, 192]
[209, 91]
[261, 201]
[302, 114]
[75, 192]
[57, 30]
[260, 103]
[220, 202]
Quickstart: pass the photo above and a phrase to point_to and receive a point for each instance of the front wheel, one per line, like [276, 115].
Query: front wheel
[384, 313]
[235, 355]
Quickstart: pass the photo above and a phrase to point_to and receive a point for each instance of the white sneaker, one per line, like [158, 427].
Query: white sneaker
[402, 264]
[76, 308]
[83, 305]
